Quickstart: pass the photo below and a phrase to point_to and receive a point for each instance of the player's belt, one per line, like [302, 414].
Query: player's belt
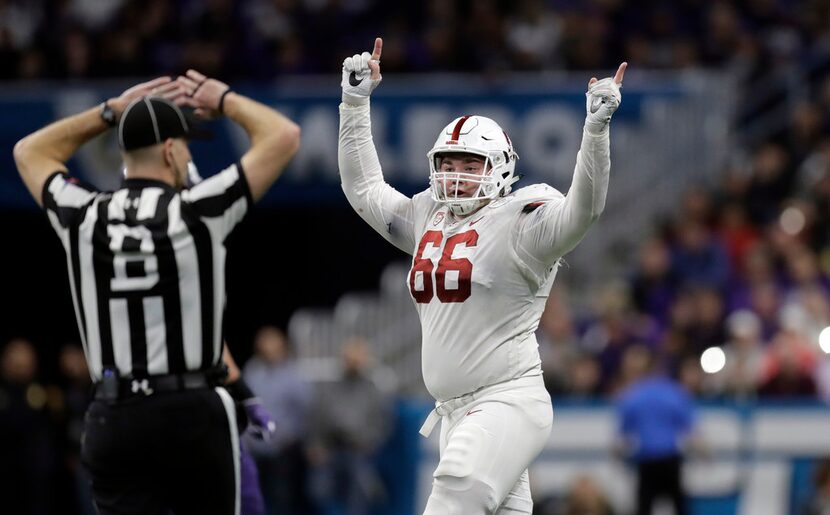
[443, 409]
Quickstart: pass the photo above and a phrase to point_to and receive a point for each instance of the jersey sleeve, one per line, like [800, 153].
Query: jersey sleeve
[551, 227]
[65, 198]
[225, 196]
[386, 210]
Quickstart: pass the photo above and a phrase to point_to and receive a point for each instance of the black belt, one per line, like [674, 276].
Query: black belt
[112, 388]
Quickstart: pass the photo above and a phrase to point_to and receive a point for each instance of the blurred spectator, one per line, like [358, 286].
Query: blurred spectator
[789, 368]
[533, 34]
[742, 373]
[771, 183]
[698, 259]
[736, 232]
[635, 360]
[93, 15]
[77, 388]
[27, 455]
[690, 375]
[351, 420]
[612, 333]
[756, 268]
[584, 378]
[585, 497]
[656, 416]
[558, 343]
[653, 287]
[819, 503]
[272, 374]
[708, 329]
[765, 301]
[698, 206]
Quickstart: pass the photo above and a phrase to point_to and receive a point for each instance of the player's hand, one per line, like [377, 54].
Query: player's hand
[202, 94]
[260, 423]
[163, 87]
[602, 99]
[361, 75]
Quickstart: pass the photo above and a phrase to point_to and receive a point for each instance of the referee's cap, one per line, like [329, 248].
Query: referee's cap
[151, 120]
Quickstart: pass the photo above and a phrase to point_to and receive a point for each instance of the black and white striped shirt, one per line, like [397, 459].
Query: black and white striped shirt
[147, 268]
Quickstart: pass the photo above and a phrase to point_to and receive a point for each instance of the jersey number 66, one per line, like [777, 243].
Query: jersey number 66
[460, 269]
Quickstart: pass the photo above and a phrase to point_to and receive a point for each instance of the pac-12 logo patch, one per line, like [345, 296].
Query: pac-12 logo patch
[439, 217]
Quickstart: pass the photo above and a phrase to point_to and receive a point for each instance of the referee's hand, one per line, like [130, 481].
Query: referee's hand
[163, 87]
[202, 94]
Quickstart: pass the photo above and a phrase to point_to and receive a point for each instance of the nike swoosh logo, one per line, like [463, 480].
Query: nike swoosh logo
[471, 412]
[595, 103]
[354, 82]
[475, 222]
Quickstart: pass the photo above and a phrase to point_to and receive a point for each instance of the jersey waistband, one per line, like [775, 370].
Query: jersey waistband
[444, 408]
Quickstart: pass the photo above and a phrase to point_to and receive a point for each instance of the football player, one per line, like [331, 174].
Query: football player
[484, 259]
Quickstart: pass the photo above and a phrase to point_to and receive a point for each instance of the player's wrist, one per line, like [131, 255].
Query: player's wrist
[354, 100]
[596, 127]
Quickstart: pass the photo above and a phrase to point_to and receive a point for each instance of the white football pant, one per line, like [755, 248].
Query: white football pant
[486, 447]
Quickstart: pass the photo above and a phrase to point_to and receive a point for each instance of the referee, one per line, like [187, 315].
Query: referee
[146, 272]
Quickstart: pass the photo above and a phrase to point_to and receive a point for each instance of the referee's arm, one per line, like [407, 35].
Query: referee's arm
[274, 138]
[47, 150]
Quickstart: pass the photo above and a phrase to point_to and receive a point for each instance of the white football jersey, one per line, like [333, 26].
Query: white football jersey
[479, 283]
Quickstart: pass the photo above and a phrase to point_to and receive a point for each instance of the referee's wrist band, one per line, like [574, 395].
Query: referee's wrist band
[221, 107]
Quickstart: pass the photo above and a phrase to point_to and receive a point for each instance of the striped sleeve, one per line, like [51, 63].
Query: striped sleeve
[225, 196]
[66, 198]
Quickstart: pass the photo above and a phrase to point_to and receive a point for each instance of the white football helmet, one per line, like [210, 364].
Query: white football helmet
[472, 135]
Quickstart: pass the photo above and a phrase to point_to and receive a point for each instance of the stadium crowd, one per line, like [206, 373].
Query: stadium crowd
[78, 39]
[743, 264]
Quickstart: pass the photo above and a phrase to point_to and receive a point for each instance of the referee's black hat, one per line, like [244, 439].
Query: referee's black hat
[151, 120]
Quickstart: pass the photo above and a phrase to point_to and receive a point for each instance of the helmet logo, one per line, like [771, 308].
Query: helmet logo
[456, 132]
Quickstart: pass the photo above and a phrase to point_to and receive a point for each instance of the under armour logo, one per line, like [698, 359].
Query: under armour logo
[141, 385]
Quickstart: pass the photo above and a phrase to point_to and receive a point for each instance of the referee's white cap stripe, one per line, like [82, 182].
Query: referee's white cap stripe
[153, 118]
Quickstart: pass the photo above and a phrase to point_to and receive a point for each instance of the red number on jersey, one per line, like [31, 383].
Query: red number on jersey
[463, 266]
[419, 264]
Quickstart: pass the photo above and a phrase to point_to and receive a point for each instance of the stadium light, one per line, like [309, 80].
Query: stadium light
[824, 340]
[713, 360]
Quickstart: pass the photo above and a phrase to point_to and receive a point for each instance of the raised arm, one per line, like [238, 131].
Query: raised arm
[388, 211]
[274, 138]
[47, 150]
[553, 228]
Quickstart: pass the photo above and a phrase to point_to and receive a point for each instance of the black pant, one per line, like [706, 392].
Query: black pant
[660, 478]
[168, 451]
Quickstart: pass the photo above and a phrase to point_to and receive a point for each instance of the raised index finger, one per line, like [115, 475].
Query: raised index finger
[377, 49]
[618, 78]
